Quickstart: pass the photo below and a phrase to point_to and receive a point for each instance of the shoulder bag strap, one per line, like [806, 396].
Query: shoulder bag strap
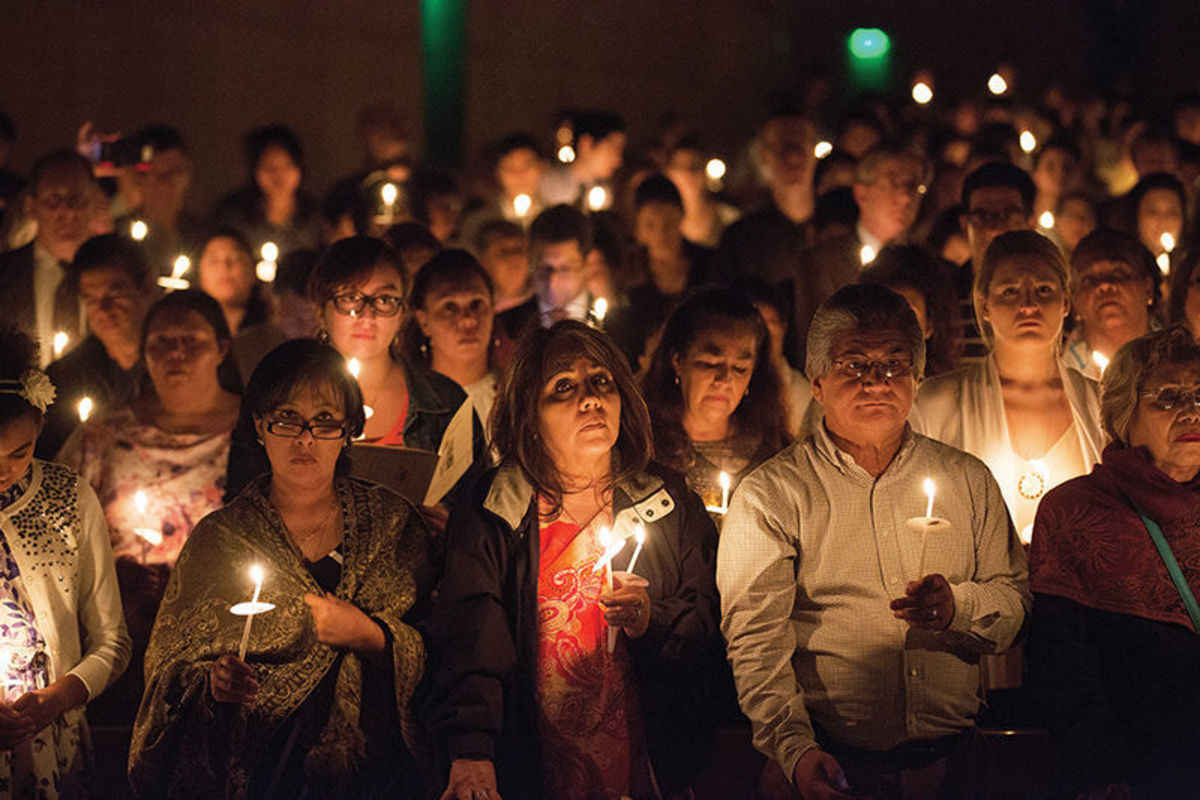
[1168, 557]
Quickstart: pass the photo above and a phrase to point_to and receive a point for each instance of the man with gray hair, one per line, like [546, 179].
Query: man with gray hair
[888, 183]
[854, 617]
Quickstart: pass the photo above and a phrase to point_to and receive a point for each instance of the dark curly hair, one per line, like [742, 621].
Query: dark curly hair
[762, 411]
[18, 354]
[515, 421]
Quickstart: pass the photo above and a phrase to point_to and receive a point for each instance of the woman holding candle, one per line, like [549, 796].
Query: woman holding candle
[715, 399]
[1114, 294]
[321, 703]
[528, 701]
[1020, 405]
[62, 636]
[1159, 206]
[1113, 651]
[450, 330]
[226, 272]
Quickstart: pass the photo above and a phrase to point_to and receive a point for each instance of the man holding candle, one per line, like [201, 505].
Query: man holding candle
[858, 673]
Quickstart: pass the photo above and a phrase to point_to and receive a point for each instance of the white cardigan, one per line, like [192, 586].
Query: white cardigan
[59, 538]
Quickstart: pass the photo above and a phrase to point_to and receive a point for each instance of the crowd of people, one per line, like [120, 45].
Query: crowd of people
[882, 433]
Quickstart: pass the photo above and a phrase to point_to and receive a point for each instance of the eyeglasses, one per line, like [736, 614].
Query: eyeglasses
[1169, 398]
[856, 368]
[994, 220]
[293, 429]
[353, 303]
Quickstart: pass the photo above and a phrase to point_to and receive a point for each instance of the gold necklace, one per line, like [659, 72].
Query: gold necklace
[311, 531]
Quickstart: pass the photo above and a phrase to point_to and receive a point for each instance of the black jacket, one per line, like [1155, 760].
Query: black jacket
[483, 702]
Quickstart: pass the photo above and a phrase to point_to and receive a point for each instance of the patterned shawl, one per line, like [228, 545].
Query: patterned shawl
[1091, 547]
[187, 745]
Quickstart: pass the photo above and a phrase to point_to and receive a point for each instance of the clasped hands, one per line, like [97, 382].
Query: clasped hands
[33, 711]
[339, 624]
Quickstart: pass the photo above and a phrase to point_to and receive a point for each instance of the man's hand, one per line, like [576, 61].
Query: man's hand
[232, 680]
[818, 776]
[927, 604]
[471, 779]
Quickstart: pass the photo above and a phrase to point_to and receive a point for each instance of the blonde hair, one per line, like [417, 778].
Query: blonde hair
[1016, 244]
[1132, 367]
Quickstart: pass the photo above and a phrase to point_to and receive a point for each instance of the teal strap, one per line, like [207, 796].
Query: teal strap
[1181, 584]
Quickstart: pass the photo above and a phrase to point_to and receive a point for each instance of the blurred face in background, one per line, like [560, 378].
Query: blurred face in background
[603, 157]
[114, 305]
[506, 260]
[519, 172]
[787, 151]
[685, 168]
[558, 271]
[1113, 295]
[226, 272]
[276, 174]
[62, 204]
[1075, 220]
[164, 185]
[992, 210]
[182, 352]
[888, 205]
[1159, 212]
[657, 228]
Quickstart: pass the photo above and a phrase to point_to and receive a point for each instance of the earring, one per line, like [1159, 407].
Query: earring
[747, 392]
[425, 349]
[322, 335]
[676, 380]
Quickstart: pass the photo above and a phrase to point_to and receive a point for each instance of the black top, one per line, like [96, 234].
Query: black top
[86, 371]
[1121, 695]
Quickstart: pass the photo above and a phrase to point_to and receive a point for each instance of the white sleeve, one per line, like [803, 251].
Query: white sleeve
[105, 642]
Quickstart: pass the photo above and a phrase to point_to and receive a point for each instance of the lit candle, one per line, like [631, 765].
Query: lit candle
[715, 169]
[1167, 241]
[151, 536]
[867, 254]
[599, 310]
[269, 251]
[1046, 220]
[85, 409]
[639, 535]
[1164, 263]
[996, 84]
[822, 149]
[368, 412]
[725, 482]
[521, 205]
[178, 269]
[388, 193]
[922, 93]
[354, 367]
[265, 271]
[597, 198]
[61, 339]
[566, 154]
[930, 491]
[256, 574]
[1100, 360]
[1027, 141]
[138, 230]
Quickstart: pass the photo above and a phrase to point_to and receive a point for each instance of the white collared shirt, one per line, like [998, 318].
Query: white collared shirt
[812, 551]
[577, 309]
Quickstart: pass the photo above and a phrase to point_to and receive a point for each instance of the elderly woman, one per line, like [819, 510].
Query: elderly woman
[317, 703]
[1114, 565]
[1034, 422]
[531, 701]
[450, 330]
[158, 464]
[1115, 294]
[716, 402]
[855, 642]
[62, 635]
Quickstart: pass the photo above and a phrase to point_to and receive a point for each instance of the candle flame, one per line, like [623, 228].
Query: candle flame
[599, 308]
[1039, 466]
[822, 149]
[604, 537]
[1167, 241]
[1027, 141]
[270, 251]
[597, 198]
[257, 573]
[85, 409]
[1100, 360]
[139, 501]
[996, 84]
[61, 339]
[639, 534]
[521, 204]
[715, 169]
[388, 192]
[1046, 220]
[354, 366]
[1164, 263]
[724, 480]
[182, 265]
[138, 230]
[866, 254]
[265, 271]
[152, 537]
[566, 154]
[922, 93]
[368, 412]
[929, 487]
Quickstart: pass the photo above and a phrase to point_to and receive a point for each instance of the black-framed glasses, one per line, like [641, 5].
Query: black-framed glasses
[294, 428]
[1169, 398]
[354, 303]
[855, 368]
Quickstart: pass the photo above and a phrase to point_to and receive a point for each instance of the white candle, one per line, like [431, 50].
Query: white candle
[265, 271]
[151, 536]
[725, 482]
[256, 574]
[930, 491]
[178, 269]
[639, 535]
[85, 409]
[566, 154]
[604, 537]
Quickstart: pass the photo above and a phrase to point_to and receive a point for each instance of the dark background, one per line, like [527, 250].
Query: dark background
[215, 68]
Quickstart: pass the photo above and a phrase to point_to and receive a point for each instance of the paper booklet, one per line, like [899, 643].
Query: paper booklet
[421, 477]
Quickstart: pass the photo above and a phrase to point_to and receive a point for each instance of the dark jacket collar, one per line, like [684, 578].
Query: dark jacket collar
[510, 496]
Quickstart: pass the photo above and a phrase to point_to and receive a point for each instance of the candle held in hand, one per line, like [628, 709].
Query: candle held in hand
[257, 573]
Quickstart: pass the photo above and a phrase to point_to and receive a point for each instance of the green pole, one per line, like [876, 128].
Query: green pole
[443, 59]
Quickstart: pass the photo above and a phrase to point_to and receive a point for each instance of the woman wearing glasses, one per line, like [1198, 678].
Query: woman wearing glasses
[1113, 650]
[1031, 420]
[319, 705]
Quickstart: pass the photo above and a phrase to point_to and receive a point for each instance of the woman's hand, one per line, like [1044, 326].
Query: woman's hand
[471, 779]
[344, 625]
[43, 706]
[15, 727]
[627, 606]
[232, 680]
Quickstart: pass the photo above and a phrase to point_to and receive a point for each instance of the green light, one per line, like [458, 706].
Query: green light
[869, 43]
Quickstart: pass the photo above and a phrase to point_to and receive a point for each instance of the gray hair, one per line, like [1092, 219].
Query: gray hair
[1132, 367]
[861, 307]
[867, 170]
